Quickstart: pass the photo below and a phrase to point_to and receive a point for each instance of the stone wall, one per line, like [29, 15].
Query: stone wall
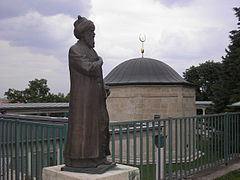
[138, 102]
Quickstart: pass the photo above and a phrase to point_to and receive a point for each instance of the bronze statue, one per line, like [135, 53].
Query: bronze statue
[88, 124]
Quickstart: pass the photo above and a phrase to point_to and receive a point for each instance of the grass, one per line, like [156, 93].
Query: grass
[234, 175]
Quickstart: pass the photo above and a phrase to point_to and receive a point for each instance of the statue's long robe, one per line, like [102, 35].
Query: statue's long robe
[88, 134]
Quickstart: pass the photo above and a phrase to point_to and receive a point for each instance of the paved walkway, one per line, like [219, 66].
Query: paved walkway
[216, 172]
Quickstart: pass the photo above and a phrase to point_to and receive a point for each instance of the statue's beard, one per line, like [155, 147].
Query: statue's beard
[90, 42]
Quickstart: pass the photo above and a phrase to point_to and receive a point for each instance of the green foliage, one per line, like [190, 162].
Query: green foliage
[15, 95]
[228, 88]
[204, 77]
[219, 82]
[37, 92]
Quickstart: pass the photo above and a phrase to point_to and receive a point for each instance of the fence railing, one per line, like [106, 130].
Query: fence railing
[161, 148]
[27, 147]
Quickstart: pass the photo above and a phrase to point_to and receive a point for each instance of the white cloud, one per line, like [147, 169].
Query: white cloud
[50, 35]
[33, 45]
[13, 8]
[177, 35]
[19, 65]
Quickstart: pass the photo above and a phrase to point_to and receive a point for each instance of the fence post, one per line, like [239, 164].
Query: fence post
[226, 131]
[160, 151]
[16, 150]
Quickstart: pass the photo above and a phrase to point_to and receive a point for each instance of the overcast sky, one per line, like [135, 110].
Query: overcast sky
[35, 35]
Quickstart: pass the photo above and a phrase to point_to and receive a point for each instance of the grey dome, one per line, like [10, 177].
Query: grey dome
[141, 71]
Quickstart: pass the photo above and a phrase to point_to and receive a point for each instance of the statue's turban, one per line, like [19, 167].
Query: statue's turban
[81, 25]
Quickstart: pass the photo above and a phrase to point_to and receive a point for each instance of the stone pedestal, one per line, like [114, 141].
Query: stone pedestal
[120, 172]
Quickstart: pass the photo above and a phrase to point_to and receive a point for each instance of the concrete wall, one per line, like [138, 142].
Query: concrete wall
[138, 102]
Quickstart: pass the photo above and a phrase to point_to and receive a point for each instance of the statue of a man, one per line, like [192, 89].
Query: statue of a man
[88, 124]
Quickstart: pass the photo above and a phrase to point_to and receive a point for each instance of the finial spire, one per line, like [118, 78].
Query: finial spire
[142, 38]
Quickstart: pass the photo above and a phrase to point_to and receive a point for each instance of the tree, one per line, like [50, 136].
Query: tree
[15, 95]
[219, 82]
[37, 91]
[204, 77]
[228, 87]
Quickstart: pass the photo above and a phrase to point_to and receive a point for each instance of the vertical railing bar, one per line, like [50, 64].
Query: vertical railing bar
[231, 137]
[48, 146]
[26, 152]
[141, 150]
[232, 144]
[170, 148]
[159, 151]
[36, 146]
[65, 129]
[197, 144]
[205, 144]
[153, 151]
[1, 148]
[220, 140]
[134, 145]
[54, 145]
[228, 138]
[2, 154]
[189, 146]
[16, 150]
[211, 142]
[3, 174]
[22, 149]
[7, 148]
[194, 144]
[120, 144]
[176, 149]
[202, 144]
[61, 144]
[225, 139]
[147, 148]
[42, 146]
[165, 148]
[217, 139]
[207, 139]
[223, 127]
[215, 142]
[128, 151]
[235, 136]
[238, 146]
[208, 142]
[181, 165]
[31, 138]
[113, 144]
[236, 131]
[185, 147]
[12, 142]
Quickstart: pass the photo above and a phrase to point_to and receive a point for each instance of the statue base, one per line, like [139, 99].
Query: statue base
[98, 170]
[119, 172]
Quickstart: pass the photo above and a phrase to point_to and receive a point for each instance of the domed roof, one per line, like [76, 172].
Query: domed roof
[140, 71]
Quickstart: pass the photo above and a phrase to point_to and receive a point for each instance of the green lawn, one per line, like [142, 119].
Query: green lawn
[234, 175]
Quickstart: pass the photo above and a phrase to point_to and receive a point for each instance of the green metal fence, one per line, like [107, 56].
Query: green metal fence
[186, 145]
[27, 147]
[161, 148]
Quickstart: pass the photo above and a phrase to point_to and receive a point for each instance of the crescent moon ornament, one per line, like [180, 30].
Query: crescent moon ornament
[142, 38]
